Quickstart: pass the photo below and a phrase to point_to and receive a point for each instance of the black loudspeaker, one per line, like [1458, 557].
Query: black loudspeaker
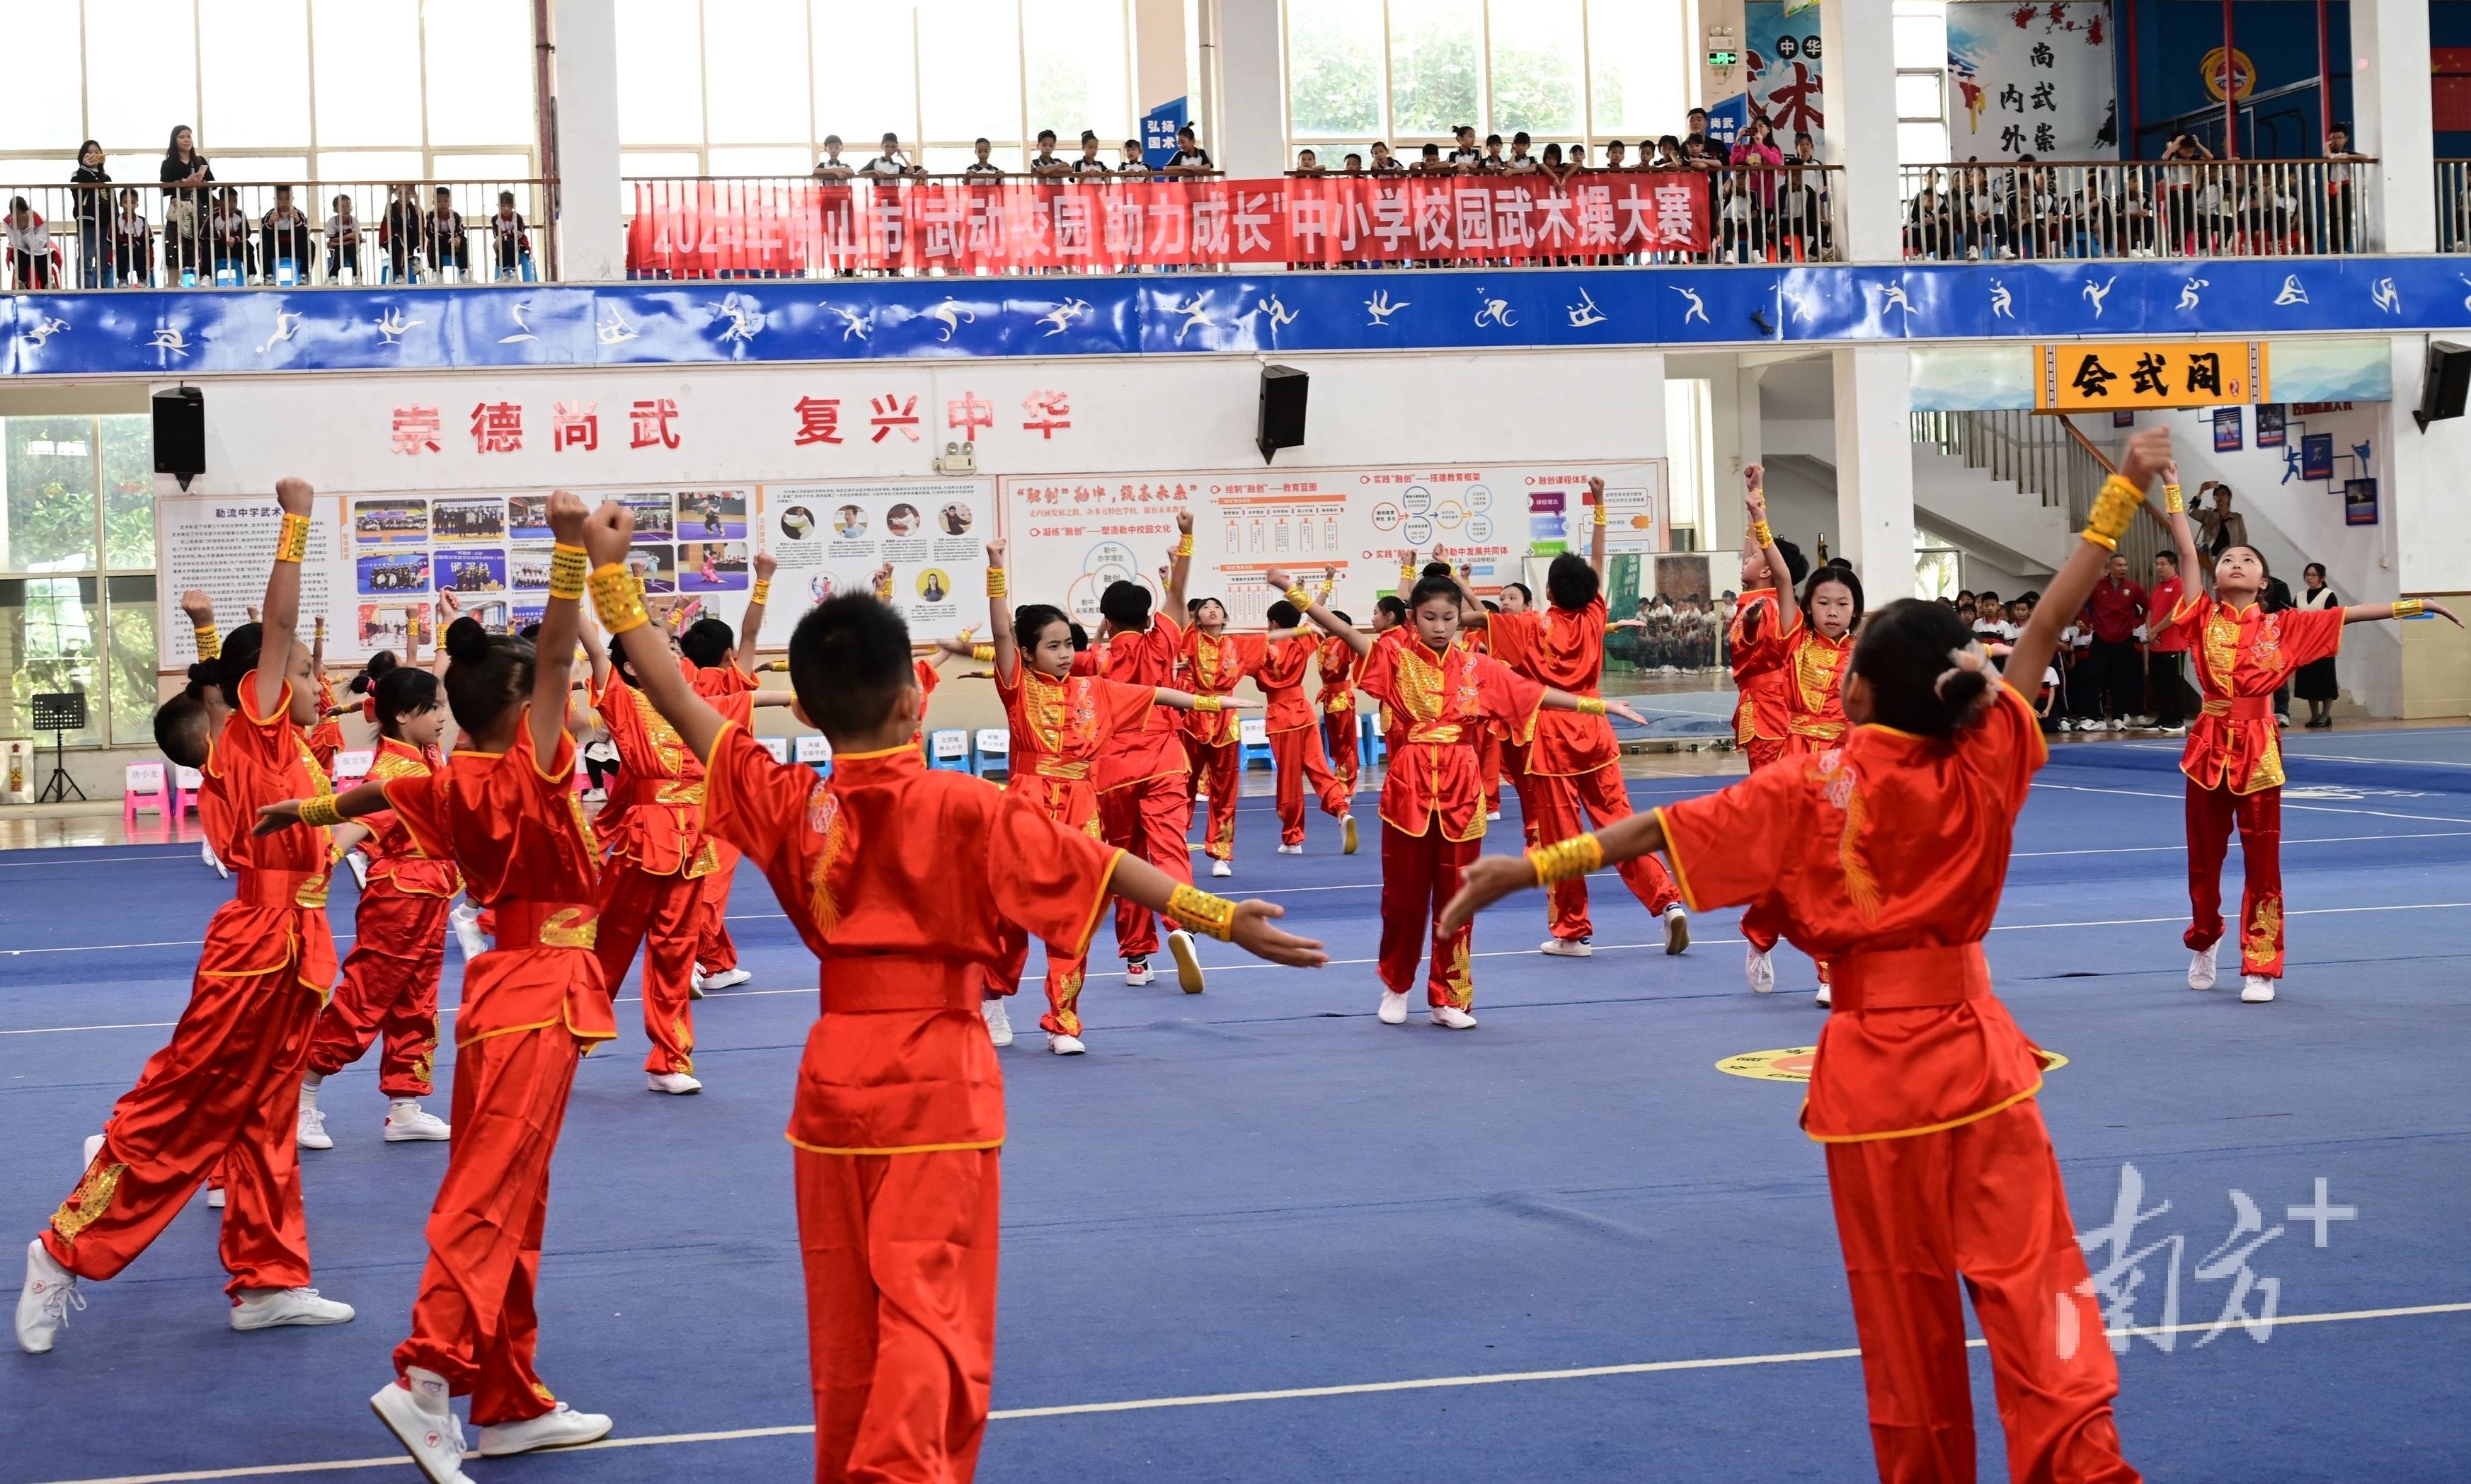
[1282, 409]
[180, 434]
[2445, 385]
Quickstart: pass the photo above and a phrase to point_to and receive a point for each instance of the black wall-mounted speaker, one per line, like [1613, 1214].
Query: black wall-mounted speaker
[180, 434]
[1282, 409]
[2446, 382]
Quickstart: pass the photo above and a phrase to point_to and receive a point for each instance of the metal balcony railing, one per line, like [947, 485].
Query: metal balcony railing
[2136, 209]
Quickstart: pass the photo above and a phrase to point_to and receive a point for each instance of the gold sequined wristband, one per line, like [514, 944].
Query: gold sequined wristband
[1760, 534]
[1209, 703]
[210, 642]
[2113, 509]
[2172, 503]
[762, 591]
[617, 601]
[293, 543]
[1300, 598]
[2409, 607]
[1600, 511]
[1211, 916]
[983, 653]
[1591, 705]
[998, 585]
[1184, 548]
[320, 811]
[569, 571]
[1562, 859]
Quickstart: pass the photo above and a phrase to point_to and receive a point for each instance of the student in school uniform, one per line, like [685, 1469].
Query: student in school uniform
[1889, 856]
[1190, 157]
[907, 884]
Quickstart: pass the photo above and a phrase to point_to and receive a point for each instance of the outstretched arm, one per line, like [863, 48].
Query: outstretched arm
[2114, 510]
[449, 609]
[1595, 705]
[1780, 575]
[606, 534]
[1179, 570]
[1252, 928]
[2184, 534]
[2407, 608]
[201, 610]
[353, 803]
[756, 602]
[1492, 877]
[1597, 543]
[554, 650]
[282, 608]
[1314, 609]
[1185, 700]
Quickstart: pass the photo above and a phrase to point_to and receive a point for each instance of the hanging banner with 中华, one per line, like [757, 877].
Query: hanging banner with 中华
[702, 228]
[2031, 80]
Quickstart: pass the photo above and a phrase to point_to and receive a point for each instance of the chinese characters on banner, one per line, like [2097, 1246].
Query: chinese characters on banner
[2031, 80]
[2088, 377]
[832, 539]
[692, 229]
[1782, 79]
[1072, 535]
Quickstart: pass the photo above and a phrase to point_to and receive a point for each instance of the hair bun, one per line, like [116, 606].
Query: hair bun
[1961, 690]
[467, 642]
[204, 673]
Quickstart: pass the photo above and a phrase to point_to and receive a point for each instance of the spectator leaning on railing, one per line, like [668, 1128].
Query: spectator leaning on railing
[186, 205]
[442, 236]
[401, 231]
[30, 245]
[91, 184]
[132, 240]
[289, 235]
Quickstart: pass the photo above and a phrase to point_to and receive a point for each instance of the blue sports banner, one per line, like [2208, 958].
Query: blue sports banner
[219, 333]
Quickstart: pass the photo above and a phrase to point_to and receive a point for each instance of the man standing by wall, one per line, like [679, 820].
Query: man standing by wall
[2118, 607]
[2166, 651]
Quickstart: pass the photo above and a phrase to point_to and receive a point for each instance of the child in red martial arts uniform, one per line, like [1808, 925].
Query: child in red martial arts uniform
[1440, 693]
[502, 808]
[651, 891]
[1061, 721]
[724, 666]
[1340, 731]
[1279, 664]
[908, 885]
[1809, 651]
[1214, 662]
[1144, 779]
[1573, 762]
[1763, 718]
[2233, 757]
[226, 1090]
[389, 981]
[1887, 855]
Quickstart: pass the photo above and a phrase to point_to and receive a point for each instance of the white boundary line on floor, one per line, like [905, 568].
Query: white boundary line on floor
[2314, 808]
[1234, 1397]
[1340, 963]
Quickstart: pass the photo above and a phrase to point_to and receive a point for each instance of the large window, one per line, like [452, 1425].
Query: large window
[1921, 80]
[77, 580]
[1410, 71]
[275, 89]
[695, 96]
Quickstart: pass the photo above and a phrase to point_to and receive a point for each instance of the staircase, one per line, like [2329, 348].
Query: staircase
[2035, 454]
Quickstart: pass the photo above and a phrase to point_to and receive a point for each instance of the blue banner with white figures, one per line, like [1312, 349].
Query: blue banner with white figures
[218, 333]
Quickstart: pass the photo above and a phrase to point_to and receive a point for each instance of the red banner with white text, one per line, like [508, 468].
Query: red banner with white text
[801, 228]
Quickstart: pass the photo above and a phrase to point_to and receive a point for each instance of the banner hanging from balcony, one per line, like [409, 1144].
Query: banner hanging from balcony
[2108, 375]
[796, 228]
[2031, 80]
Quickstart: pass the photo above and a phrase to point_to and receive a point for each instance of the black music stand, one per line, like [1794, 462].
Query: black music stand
[59, 713]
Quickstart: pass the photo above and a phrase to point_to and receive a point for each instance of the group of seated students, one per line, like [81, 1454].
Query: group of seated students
[894, 163]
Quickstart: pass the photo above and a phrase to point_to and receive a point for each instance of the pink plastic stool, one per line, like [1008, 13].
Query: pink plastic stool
[146, 786]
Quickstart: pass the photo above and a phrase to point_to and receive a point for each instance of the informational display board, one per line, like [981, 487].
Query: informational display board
[1072, 536]
[830, 538]
[377, 562]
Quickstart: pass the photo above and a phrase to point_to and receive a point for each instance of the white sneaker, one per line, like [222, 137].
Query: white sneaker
[1492, 815]
[1760, 970]
[1291, 850]
[561, 1426]
[206, 853]
[311, 1133]
[1187, 963]
[1565, 948]
[269, 1309]
[43, 1304]
[408, 1122]
[420, 1415]
[2117, 725]
[694, 982]
[2066, 725]
[2256, 989]
[1065, 1046]
[1825, 997]
[1677, 929]
[1450, 1017]
[1138, 972]
[2143, 719]
[360, 865]
[466, 919]
[999, 1020]
[1222, 868]
[1347, 826]
[673, 1082]
[1201, 796]
[213, 1197]
[2201, 968]
[726, 978]
[1394, 1008]
[2172, 731]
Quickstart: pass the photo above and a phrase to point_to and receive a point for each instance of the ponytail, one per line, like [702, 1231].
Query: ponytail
[1902, 658]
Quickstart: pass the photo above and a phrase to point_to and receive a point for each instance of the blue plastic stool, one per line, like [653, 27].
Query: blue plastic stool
[994, 751]
[1253, 735]
[949, 749]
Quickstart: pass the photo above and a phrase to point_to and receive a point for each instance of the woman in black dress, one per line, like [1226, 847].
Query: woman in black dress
[2315, 683]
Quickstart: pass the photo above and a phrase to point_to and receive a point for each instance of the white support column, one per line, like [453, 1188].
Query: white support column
[2391, 90]
[1859, 66]
[1250, 90]
[1736, 410]
[1874, 469]
[591, 226]
[1161, 58]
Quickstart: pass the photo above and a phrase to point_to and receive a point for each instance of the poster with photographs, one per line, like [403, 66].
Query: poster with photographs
[713, 567]
[527, 568]
[380, 573]
[466, 572]
[389, 625]
[389, 522]
[714, 515]
[831, 539]
[656, 567]
[656, 516]
[452, 521]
